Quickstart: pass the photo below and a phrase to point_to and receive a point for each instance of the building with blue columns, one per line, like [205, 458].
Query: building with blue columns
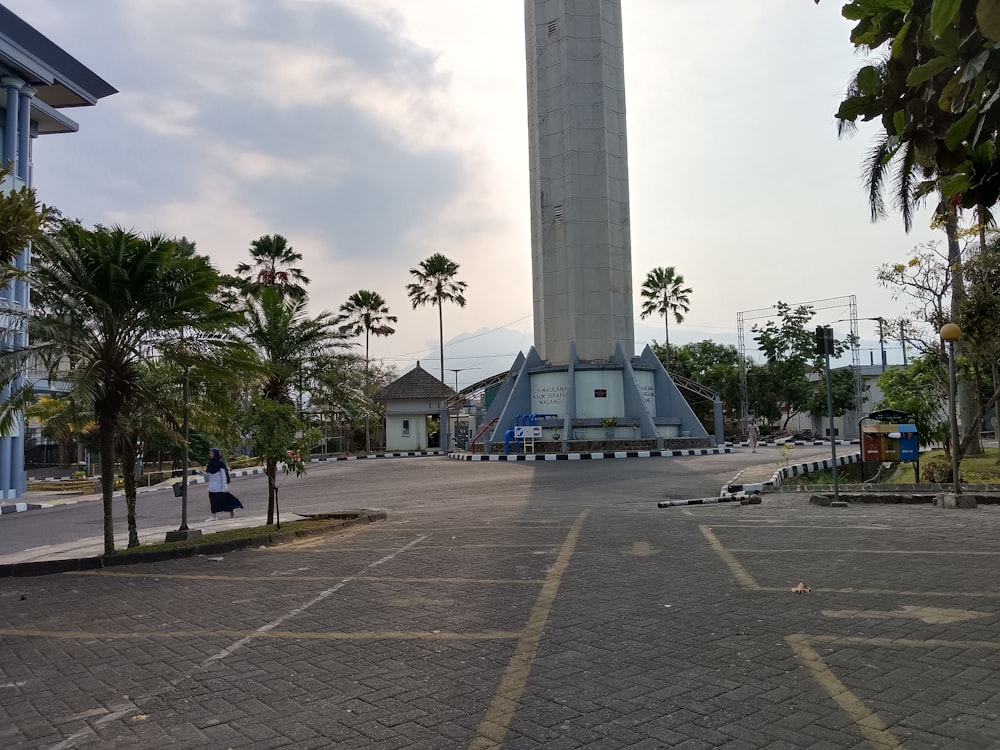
[39, 81]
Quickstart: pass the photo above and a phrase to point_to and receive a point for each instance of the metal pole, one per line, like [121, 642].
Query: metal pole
[833, 434]
[953, 395]
[881, 342]
[184, 457]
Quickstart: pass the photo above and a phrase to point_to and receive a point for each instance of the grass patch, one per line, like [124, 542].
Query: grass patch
[289, 527]
[973, 470]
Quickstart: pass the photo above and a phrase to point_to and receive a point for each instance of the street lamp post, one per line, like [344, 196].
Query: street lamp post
[950, 332]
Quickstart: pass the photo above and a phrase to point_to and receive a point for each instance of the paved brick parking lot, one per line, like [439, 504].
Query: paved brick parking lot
[539, 616]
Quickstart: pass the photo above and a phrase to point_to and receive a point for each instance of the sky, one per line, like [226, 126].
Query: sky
[374, 133]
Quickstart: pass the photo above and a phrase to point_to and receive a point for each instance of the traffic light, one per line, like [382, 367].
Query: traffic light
[824, 340]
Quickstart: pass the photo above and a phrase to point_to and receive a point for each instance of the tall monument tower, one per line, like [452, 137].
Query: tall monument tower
[582, 378]
[580, 238]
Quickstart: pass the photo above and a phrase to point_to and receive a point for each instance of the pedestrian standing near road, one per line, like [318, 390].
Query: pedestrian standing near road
[219, 496]
[753, 433]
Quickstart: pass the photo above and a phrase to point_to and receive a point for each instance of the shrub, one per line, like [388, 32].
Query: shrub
[937, 470]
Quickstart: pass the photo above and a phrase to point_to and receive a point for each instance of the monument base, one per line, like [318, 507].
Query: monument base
[627, 400]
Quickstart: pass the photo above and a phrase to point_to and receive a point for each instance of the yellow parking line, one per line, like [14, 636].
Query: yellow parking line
[496, 722]
[866, 720]
[735, 567]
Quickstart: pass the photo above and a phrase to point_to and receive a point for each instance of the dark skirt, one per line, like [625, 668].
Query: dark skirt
[223, 502]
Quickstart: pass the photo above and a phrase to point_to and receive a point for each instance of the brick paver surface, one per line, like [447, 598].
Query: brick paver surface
[549, 606]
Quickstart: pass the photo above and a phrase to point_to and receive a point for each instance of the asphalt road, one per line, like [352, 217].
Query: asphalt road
[398, 484]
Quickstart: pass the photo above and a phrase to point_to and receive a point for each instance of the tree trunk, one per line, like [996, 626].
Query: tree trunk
[666, 341]
[271, 469]
[967, 392]
[441, 336]
[368, 388]
[107, 430]
[128, 475]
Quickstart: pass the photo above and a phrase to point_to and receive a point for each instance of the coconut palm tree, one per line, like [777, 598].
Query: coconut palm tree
[435, 284]
[366, 312]
[109, 298]
[273, 266]
[666, 295]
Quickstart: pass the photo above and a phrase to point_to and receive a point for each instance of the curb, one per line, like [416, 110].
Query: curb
[513, 457]
[401, 454]
[45, 567]
[787, 472]
[18, 507]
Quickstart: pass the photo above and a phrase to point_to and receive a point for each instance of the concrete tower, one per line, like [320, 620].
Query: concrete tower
[581, 384]
[580, 239]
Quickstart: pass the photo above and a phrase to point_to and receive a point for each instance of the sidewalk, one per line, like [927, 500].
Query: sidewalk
[94, 546]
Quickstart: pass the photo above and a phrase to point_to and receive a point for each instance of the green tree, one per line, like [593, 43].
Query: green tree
[920, 389]
[272, 427]
[933, 84]
[286, 340]
[789, 347]
[22, 220]
[664, 294]
[366, 312]
[435, 284]
[65, 420]
[714, 366]
[289, 344]
[274, 265]
[119, 295]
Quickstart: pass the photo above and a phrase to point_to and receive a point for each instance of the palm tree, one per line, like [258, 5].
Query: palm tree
[288, 343]
[366, 312]
[435, 284]
[273, 266]
[110, 297]
[666, 295]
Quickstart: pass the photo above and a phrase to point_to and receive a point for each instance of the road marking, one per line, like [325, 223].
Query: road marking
[34, 549]
[496, 722]
[299, 610]
[735, 567]
[867, 721]
[930, 615]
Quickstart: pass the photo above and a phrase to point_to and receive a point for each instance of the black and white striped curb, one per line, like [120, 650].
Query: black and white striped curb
[18, 507]
[786, 472]
[780, 443]
[400, 454]
[585, 456]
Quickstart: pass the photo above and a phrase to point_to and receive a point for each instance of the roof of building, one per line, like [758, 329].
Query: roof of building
[416, 384]
[59, 79]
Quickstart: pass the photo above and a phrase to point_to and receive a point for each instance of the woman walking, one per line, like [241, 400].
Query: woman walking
[219, 496]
